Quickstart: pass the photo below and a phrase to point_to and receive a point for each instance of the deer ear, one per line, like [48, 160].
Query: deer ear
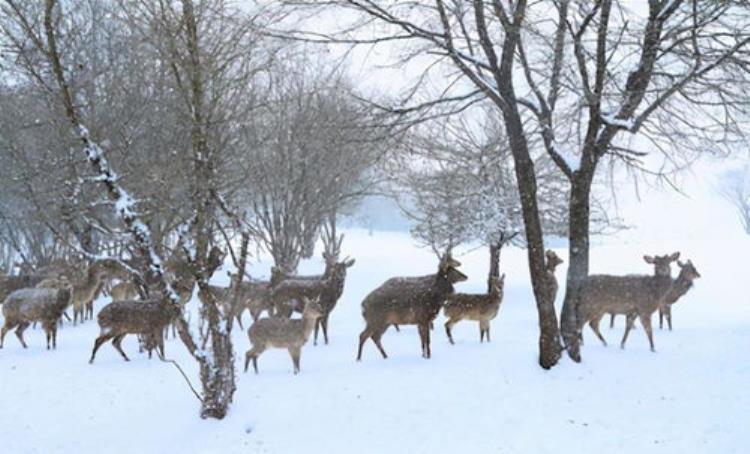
[674, 256]
[349, 263]
[648, 259]
[681, 264]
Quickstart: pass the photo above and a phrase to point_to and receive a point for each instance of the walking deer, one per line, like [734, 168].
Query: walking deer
[477, 307]
[277, 332]
[408, 301]
[633, 296]
[46, 305]
[662, 267]
[147, 318]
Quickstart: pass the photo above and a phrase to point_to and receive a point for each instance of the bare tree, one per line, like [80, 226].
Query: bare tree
[736, 189]
[592, 72]
[310, 153]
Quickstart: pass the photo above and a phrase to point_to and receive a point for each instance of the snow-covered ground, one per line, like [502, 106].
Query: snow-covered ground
[690, 396]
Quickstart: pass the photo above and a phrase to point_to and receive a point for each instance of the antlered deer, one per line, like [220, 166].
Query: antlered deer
[146, 318]
[277, 332]
[481, 307]
[24, 306]
[408, 301]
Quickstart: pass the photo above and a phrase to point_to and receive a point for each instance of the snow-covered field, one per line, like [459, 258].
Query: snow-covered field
[690, 396]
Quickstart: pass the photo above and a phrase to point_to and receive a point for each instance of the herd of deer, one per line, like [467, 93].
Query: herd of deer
[44, 296]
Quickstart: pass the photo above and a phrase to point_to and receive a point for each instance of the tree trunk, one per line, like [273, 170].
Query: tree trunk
[549, 332]
[578, 261]
[495, 249]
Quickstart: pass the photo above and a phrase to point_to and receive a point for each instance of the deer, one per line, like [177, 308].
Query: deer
[9, 284]
[409, 301]
[327, 288]
[481, 307]
[125, 290]
[255, 296]
[148, 318]
[111, 269]
[551, 263]
[634, 296]
[86, 290]
[27, 305]
[662, 267]
[679, 289]
[276, 332]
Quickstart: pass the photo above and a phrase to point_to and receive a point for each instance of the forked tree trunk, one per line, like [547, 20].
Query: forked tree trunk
[578, 261]
[495, 249]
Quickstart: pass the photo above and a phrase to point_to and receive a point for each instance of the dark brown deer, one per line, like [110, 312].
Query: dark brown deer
[147, 319]
[662, 267]
[46, 305]
[482, 308]
[277, 332]
[408, 301]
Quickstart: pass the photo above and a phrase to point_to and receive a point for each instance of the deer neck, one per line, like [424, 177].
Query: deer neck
[308, 323]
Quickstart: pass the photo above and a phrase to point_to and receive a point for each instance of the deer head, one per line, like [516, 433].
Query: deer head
[661, 263]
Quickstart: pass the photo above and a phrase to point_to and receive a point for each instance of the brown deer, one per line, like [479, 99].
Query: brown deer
[9, 284]
[482, 308]
[255, 296]
[86, 289]
[679, 289]
[633, 296]
[125, 290]
[277, 332]
[46, 305]
[551, 263]
[327, 288]
[662, 267]
[408, 301]
[110, 269]
[147, 318]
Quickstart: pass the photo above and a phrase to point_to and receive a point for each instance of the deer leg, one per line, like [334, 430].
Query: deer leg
[19, 332]
[295, 354]
[160, 345]
[366, 333]
[98, 343]
[317, 325]
[116, 343]
[594, 324]
[398, 330]
[448, 325]
[67, 317]
[324, 325]
[668, 313]
[611, 321]
[376, 336]
[424, 336]
[253, 354]
[646, 322]
[486, 328]
[661, 318]
[239, 320]
[628, 326]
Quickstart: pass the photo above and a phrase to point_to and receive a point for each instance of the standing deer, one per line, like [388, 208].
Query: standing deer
[409, 301]
[276, 332]
[679, 289]
[481, 307]
[86, 289]
[24, 306]
[551, 263]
